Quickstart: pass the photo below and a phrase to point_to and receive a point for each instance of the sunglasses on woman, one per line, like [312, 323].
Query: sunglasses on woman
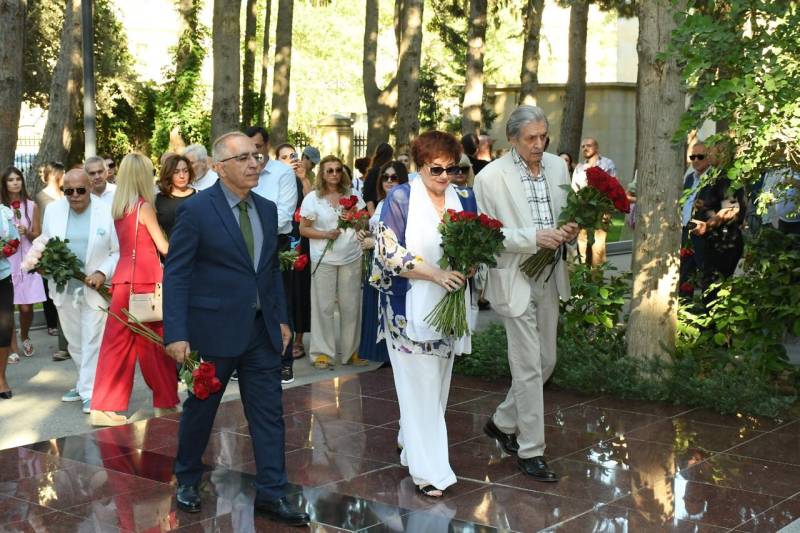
[455, 170]
[390, 178]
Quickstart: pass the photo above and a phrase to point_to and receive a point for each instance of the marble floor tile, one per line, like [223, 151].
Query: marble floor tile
[743, 422]
[512, 509]
[312, 430]
[556, 398]
[641, 406]
[14, 510]
[482, 459]
[147, 434]
[698, 502]
[302, 399]
[58, 522]
[500, 385]
[430, 522]
[754, 475]
[462, 425]
[366, 410]
[224, 449]
[774, 519]
[20, 463]
[694, 434]
[459, 395]
[613, 519]
[377, 444]
[782, 447]
[144, 464]
[599, 421]
[394, 487]
[81, 449]
[485, 404]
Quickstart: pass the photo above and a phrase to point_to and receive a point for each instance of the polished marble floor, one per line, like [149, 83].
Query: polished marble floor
[625, 466]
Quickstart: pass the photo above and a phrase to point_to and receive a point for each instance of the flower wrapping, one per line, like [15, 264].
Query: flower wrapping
[589, 208]
[54, 259]
[468, 240]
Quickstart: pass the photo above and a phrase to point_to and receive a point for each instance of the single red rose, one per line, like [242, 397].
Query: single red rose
[496, 224]
[200, 390]
[215, 385]
[686, 288]
[686, 252]
[8, 251]
[301, 262]
[297, 216]
[15, 204]
[484, 219]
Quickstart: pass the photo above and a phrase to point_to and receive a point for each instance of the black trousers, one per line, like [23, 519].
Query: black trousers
[287, 359]
[259, 370]
[6, 311]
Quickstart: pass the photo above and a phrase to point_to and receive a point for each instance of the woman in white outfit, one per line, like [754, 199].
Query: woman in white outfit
[405, 272]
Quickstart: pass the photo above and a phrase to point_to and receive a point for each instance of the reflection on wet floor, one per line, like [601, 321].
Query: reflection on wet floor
[625, 466]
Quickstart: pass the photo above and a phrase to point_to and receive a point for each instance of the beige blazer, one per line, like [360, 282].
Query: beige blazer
[500, 194]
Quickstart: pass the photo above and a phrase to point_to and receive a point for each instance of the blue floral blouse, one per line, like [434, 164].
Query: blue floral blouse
[392, 259]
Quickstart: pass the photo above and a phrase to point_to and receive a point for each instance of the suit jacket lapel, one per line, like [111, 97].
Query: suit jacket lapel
[265, 232]
[513, 183]
[225, 213]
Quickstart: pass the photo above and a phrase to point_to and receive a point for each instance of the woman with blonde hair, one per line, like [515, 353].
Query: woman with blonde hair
[138, 271]
[336, 272]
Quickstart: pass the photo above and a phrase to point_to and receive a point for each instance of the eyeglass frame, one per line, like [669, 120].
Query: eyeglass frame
[454, 170]
[242, 158]
[68, 191]
[699, 157]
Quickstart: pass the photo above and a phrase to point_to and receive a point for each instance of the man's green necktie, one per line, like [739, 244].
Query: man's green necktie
[247, 228]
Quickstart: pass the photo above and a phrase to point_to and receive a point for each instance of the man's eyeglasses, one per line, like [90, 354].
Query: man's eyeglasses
[337, 170]
[455, 170]
[390, 177]
[699, 157]
[70, 191]
[242, 158]
[111, 165]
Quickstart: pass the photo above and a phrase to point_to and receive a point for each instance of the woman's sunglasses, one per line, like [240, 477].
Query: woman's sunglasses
[455, 170]
[390, 177]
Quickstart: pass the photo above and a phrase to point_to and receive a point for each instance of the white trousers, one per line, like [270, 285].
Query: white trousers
[532, 358]
[423, 384]
[335, 287]
[83, 328]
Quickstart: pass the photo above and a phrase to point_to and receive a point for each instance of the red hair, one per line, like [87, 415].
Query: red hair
[434, 144]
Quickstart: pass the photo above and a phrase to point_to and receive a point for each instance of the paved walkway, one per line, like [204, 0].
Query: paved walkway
[624, 466]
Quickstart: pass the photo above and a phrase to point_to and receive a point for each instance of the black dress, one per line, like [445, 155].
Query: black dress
[166, 208]
[301, 280]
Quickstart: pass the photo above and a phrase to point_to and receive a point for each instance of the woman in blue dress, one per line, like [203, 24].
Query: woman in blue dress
[391, 174]
[405, 272]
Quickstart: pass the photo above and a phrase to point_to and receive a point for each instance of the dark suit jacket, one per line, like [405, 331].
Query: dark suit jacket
[209, 282]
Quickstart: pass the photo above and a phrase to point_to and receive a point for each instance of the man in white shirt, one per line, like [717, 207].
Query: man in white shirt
[95, 167]
[592, 158]
[277, 183]
[204, 176]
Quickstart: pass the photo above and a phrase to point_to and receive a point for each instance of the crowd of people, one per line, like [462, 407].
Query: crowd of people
[207, 232]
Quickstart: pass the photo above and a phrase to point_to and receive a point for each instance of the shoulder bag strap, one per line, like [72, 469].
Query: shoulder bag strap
[135, 242]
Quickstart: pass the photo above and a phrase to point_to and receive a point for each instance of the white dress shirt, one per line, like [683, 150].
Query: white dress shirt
[107, 196]
[208, 179]
[278, 183]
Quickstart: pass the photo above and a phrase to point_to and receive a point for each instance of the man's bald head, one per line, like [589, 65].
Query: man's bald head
[77, 188]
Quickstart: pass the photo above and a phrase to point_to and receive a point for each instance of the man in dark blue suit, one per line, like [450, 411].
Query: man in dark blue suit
[223, 296]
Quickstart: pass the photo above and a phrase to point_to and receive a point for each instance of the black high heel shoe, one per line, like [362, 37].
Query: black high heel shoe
[7, 395]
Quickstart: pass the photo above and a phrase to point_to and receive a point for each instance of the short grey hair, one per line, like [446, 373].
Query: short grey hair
[522, 116]
[220, 149]
[92, 160]
[197, 150]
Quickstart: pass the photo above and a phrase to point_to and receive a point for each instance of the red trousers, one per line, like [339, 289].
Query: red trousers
[117, 361]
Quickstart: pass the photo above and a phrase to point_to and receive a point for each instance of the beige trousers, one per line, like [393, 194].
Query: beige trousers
[598, 248]
[335, 288]
[532, 357]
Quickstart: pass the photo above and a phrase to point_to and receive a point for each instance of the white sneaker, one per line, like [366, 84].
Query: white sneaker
[13, 358]
[71, 396]
[87, 406]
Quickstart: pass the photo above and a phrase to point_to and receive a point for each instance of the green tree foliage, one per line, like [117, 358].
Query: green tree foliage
[181, 108]
[741, 60]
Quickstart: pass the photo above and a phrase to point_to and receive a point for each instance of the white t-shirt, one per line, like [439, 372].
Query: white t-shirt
[208, 179]
[346, 247]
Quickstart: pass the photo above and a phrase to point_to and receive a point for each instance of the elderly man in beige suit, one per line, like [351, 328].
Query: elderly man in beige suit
[524, 190]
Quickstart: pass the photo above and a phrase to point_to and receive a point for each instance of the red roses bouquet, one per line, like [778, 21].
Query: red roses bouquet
[349, 218]
[589, 208]
[292, 260]
[468, 239]
[9, 246]
[200, 377]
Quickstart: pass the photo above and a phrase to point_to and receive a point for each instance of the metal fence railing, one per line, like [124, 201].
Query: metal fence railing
[359, 144]
[24, 155]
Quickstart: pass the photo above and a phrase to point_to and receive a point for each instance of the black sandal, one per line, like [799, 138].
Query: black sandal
[428, 490]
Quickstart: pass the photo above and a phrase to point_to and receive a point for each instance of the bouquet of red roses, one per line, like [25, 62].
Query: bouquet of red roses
[292, 260]
[588, 208]
[349, 218]
[468, 240]
[200, 377]
[9, 246]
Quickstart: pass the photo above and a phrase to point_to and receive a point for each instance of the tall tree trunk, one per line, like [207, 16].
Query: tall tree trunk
[471, 117]
[575, 98]
[381, 103]
[410, 53]
[249, 95]
[12, 41]
[281, 76]
[65, 95]
[262, 93]
[225, 41]
[529, 77]
[660, 101]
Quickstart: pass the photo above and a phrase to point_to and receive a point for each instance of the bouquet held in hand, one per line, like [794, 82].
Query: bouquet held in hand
[349, 218]
[589, 208]
[292, 260]
[468, 240]
[52, 257]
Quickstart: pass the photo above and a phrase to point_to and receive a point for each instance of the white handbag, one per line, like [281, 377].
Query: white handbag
[145, 306]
